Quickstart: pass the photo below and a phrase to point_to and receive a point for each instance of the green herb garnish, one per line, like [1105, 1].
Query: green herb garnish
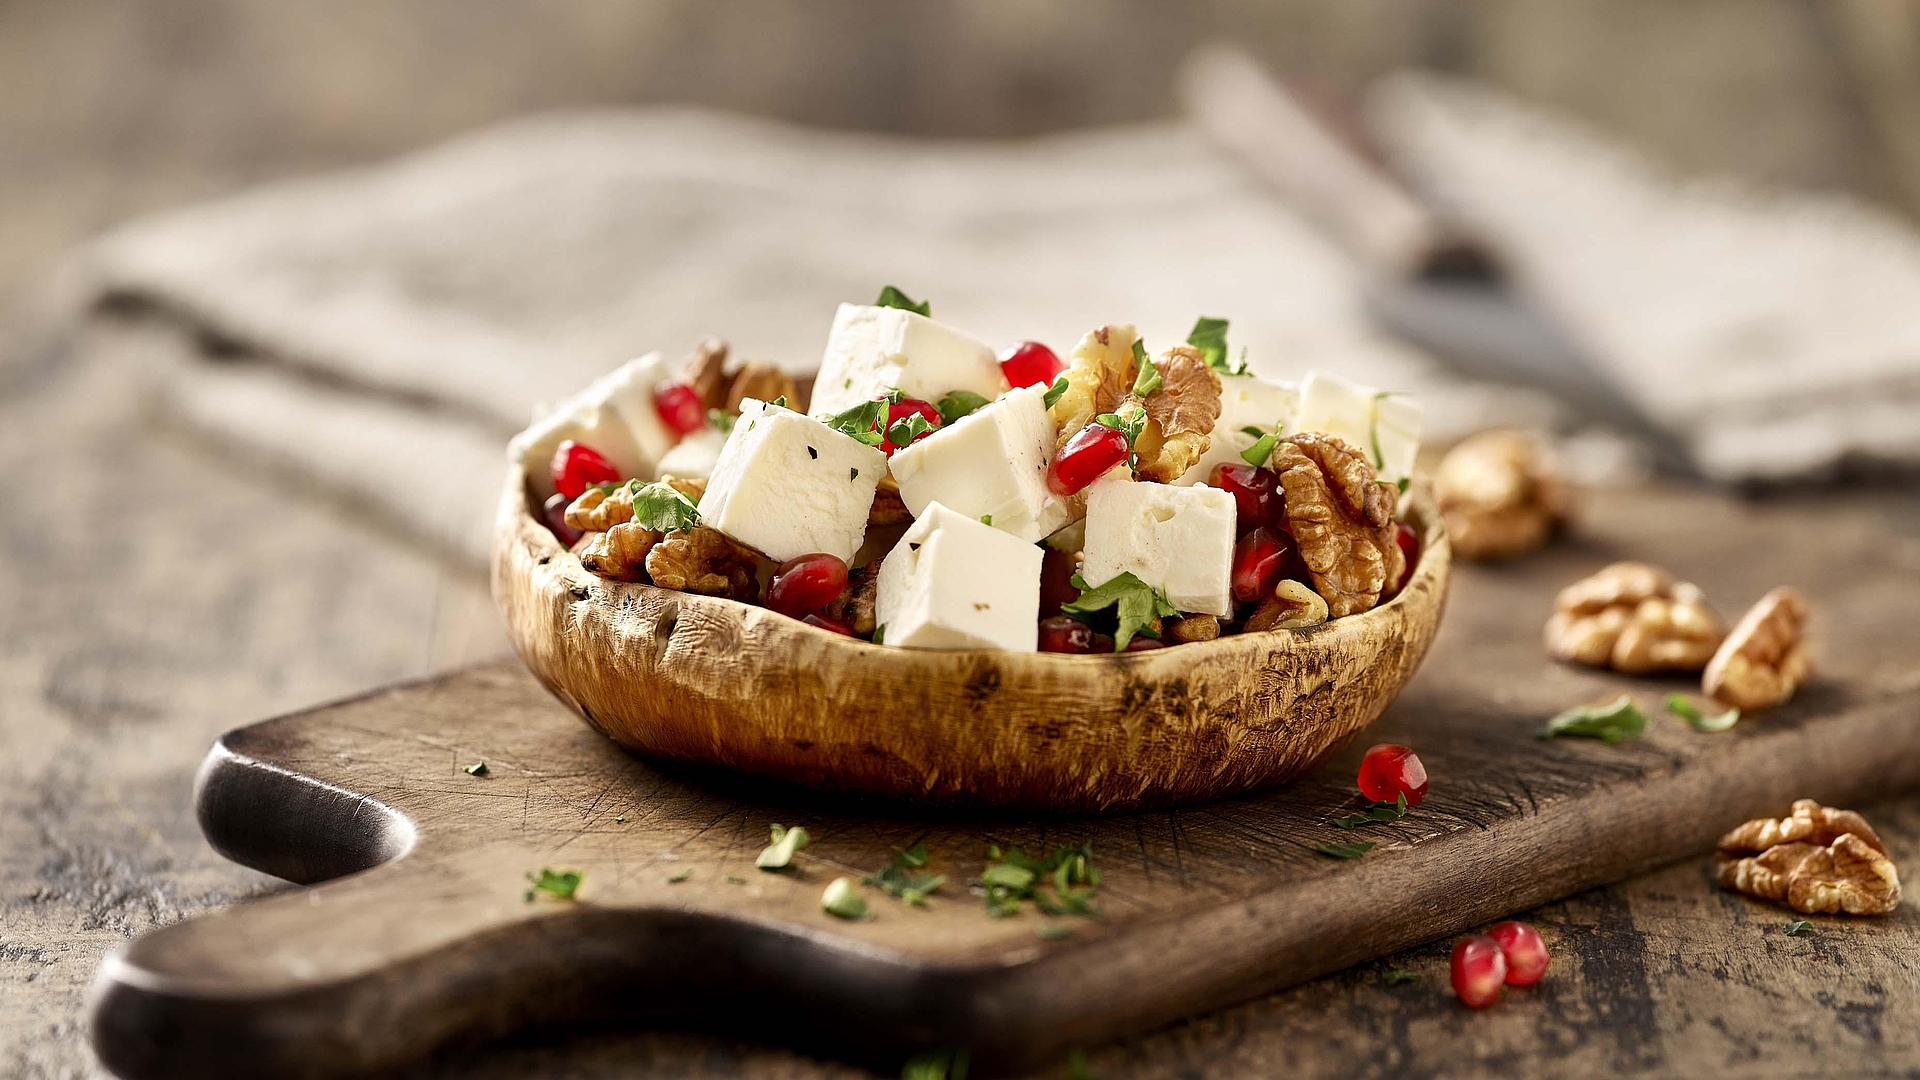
[852, 475]
[1135, 604]
[1149, 378]
[1678, 705]
[1210, 337]
[558, 884]
[720, 420]
[1610, 723]
[1262, 449]
[906, 879]
[986, 519]
[1402, 978]
[843, 900]
[1373, 431]
[1139, 353]
[1344, 851]
[1063, 883]
[936, 1065]
[785, 842]
[1053, 393]
[1130, 422]
[880, 634]
[478, 768]
[659, 508]
[736, 879]
[1799, 928]
[1054, 931]
[861, 422]
[959, 403]
[891, 296]
[1380, 811]
[679, 877]
[907, 428]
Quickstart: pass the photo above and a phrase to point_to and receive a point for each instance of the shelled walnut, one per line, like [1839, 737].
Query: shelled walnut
[1817, 860]
[1633, 618]
[888, 508]
[1099, 375]
[1194, 628]
[1341, 516]
[1292, 606]
[1180, 415]
[1766, 657]
[1501, 494]
[707, 561]
[621, 553]
[854, 607]
[720, 389]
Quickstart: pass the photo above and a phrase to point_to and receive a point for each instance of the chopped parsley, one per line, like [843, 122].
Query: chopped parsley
[1678, 705]
[936, 1065]
[1610, 723]
[1344, 851]
[907, 428]
[1135, 605]
[986, 519]
[478, 768]
[558, 884]
[1209, 335]
[736, 879]
[880, 634]
[891, 296]
[1055, 931]
[720, 420]
[679, 877]
[1799, 928]
[843, 900]
[659, 508]
[1053, 393]
[852, 475]
[862, 422]
[1063, 883]
[784, 843]
[1373, 432]
[1402, 978]
[959, 403]
[779, 402]
[1130, 422]
[1149, 378]
[906, 879]
[1380, 811]
[1261, 450]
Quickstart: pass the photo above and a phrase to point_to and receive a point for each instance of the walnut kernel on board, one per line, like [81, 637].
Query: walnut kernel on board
[1501, 494]
[1635, 619]
[1766, 657]
[1341, 516]
[1817, 860]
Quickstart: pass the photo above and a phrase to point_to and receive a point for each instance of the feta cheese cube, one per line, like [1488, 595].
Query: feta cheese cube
[953, 583]
[695, 455]
[789, 485]
[1177, 539]
[1245, 401]
[992, 464]
[875, 349]
[614, 415]
[1383, 426]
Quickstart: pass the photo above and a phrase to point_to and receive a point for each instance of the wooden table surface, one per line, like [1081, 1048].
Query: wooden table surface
[152, 596]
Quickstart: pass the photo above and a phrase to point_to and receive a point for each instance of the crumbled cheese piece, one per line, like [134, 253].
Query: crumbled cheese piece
[953, 583]
[789, 485]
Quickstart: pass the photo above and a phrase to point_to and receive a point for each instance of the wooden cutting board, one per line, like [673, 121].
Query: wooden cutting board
[420, 934]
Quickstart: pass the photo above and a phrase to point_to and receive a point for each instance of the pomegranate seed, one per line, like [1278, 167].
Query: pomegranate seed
[1092, 451]
[1409, 542]
[1526, 954]
[806, 583]
[1258, 559]
[1056, 581]
[1478, 970]
[556, 514]
[1389, 771]
[1141, 643]
[1256, 493]
[679, 405]
[1063, 634]
[1030, 364]
[825, 623]
[575, 467]
[900, 411]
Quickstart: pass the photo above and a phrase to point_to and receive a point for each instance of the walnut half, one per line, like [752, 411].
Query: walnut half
[1766, 656]
[1817, 860]
[1341, 515]
[1633, 618]
[707, 561]
[621, 553]
[1501, 494]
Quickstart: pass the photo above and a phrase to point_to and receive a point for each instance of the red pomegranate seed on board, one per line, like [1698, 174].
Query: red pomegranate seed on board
[825, 623]
[555, 511]
[1526, 954]
[1092, 451]
[575, 468]
[1062, 634]
[1478, 970]
[902, 409]
[1409, 542]
[1255, 491]
[679, 405]
[1389, 771]
[1258, 558]
[806, 583]
[1030, 364]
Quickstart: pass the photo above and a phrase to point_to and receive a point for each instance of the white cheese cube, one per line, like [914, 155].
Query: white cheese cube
[1245, 401]
[875, 349]
[991, 465]
[789, 485]
[953, 583]
[1383, 426]
[696, 455]
[1177, 539]
[614, 415]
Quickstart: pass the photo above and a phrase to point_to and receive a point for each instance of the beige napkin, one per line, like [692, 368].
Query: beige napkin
[402, 321]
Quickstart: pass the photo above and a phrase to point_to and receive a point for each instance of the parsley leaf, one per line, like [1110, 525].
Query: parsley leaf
[1344, 851]
[1063, 883]
[1209, 335]
[1799, 928]
[1140, 353]
[1149, 378]
[903, 880]
[559, 884]
[1053, 393]
[891, 296]
[1380, 811]
[986, 519]
[1135, 603]
[862, 422]
[936, 1065]
[1678, 705]
[852, 475]
[779, 854]
[1610, 723]
[907, 428]
[1402, 978]
[478, 768]
[959, 403]
[1130, 423]
[843, 900]
[661, 509]
[720, 420]
[1261, 450]
[679, 877]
